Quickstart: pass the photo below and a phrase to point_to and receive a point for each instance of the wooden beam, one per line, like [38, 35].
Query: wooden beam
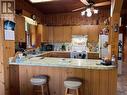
[116, 7]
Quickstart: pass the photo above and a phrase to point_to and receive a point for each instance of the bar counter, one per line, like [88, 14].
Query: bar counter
[64, 62]
[97, 79]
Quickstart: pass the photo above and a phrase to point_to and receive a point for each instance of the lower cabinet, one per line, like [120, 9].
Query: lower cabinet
[57, 54]
[93, 55]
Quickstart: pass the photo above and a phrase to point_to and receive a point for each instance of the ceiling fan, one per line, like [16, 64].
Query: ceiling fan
[41, 1]
[89, 9]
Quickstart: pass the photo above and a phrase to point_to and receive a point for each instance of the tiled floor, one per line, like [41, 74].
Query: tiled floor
[122, 82]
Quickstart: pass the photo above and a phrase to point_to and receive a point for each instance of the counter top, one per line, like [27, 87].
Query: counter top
[64, 62]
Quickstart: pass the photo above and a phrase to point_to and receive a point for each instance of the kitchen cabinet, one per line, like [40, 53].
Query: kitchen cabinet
[62, 34]
[93, 33]
[57, 54]
[93, 55]
[19, 29]
[84, 29]
[48, 34]
[67, 33]
[45, 34]
[76, 30]
[39, 34]
[58, 34]
[33, 34]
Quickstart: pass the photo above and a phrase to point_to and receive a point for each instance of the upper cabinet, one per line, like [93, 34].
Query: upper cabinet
[39, 34]
[93, 33]
[67, 33]
[84, 29]
[47, 34]
[33, 34]
[76, 30]
[50, 34]
[20, 29]
[58, 34]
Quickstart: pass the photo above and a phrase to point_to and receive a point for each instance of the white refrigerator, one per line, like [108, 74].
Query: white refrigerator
[103, 51]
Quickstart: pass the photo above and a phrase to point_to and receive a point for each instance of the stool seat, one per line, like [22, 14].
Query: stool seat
[72, 84]
[39, 80]
[35, 81]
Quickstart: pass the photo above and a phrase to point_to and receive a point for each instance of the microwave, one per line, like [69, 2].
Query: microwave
[47, 47]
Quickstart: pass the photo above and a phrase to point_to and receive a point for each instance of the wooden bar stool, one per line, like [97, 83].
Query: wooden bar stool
[42, 81]
[72, 84]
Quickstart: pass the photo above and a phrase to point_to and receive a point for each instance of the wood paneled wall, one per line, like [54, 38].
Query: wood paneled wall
[76, 18]
[2, 86]
[28, 9]
[7, 49]
[125, 46]
[124, 31]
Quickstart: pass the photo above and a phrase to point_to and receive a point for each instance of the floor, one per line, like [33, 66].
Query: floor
[122, 82]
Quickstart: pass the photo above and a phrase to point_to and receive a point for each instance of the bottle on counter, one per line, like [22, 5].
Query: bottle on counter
[113, 59]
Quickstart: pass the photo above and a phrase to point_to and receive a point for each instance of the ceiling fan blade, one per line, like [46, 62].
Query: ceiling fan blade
[102, 4]
[78, 9]
[85, 2]
[42, 1]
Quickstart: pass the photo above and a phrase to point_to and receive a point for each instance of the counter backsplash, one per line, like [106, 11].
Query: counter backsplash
[58, 46]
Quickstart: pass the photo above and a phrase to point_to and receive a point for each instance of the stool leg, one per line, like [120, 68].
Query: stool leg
[77, 91]
[47, 90]
[66, 91]
[42, 89]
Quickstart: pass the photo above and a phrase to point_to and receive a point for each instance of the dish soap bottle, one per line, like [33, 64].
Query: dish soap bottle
[113, 59]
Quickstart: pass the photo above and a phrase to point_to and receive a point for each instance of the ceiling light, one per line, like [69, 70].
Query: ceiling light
[39, 1]
[95, 11]
[88, 10]
[83, 13]
[89, 14]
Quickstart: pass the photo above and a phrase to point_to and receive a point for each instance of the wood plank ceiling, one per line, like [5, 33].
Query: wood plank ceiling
[61, 6]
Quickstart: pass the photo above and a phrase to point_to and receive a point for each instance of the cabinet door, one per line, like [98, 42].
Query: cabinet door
[33, 34]
[50, 34]
[84, 29]
[45, 34]
[67, 33]
[39, 34]
[76, 30]
[58, 34]
[93, 33]
[20, 29]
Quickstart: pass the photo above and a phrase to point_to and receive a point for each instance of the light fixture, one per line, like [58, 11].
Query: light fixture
[39, 1]
[89, 12]
[83, 13]
[95, 11]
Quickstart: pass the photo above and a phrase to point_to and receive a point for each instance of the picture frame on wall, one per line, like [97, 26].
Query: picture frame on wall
[9, 27]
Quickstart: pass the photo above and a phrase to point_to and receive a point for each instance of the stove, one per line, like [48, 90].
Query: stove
[78, 54]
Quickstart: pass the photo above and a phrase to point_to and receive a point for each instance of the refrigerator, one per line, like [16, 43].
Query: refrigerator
[103, 51]
[120, 53]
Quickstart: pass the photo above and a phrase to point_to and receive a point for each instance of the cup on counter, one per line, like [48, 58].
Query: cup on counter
[11, 59]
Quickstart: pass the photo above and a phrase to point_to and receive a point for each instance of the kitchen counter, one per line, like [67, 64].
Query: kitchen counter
[64, 62]
[97, 79]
